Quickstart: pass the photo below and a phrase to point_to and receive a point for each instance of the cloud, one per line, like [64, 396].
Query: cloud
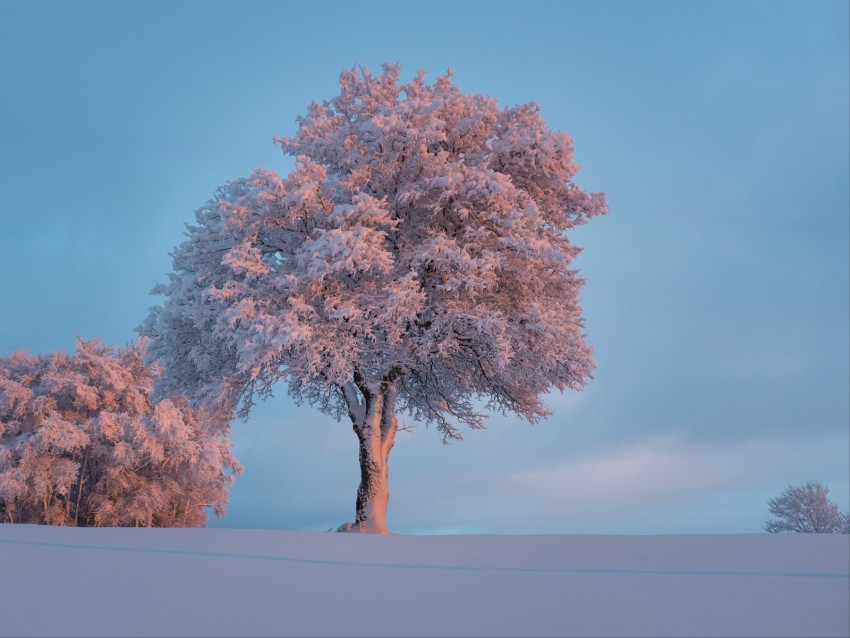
[659, 485]
[647, 472]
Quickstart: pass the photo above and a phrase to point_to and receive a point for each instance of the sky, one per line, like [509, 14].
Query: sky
[716, 296]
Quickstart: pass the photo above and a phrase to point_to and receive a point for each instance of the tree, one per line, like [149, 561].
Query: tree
[415, 260]
[82, 443]
[806, 509]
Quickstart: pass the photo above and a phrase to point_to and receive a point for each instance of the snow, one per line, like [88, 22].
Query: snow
[226, 582]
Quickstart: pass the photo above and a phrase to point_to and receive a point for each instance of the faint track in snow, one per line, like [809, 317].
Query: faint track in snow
[425, 567]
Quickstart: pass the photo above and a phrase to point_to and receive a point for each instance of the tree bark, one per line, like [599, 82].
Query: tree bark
[375, 424]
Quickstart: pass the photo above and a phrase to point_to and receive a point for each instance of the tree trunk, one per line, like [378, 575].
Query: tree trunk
[374, 422]
[80, 488]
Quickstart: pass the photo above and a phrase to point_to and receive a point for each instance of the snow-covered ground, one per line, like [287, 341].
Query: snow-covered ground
[225, 582]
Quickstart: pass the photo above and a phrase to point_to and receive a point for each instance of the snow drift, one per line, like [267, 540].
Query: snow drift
[224, 582]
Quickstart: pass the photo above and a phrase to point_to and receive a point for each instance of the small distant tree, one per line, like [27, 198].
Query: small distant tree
[415, 260]
[806, 509]
[82, 443]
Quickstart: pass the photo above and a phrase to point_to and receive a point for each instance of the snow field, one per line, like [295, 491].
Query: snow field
[224, 582]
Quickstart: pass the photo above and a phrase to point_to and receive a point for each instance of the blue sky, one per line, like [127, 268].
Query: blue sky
[717, 288]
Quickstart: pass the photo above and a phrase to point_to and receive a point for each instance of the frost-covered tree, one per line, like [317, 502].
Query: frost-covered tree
[82, 443]
[806, 509]
[415, 260]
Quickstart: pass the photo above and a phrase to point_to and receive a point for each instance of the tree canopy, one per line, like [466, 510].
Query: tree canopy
[806, 509]
[421, 237]
[82, 443]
